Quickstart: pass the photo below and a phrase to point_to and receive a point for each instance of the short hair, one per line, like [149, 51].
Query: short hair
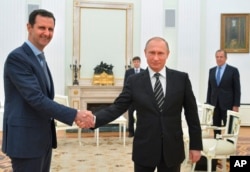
[41, 12]
[136, 58]
[157, 38]
[221, 50]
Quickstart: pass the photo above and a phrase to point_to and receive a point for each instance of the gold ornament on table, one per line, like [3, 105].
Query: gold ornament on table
[103, 74]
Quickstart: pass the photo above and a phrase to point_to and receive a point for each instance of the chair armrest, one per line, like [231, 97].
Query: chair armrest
[216, 128]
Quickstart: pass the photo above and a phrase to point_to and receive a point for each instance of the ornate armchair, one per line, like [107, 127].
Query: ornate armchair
[206, 121]
[225, 144]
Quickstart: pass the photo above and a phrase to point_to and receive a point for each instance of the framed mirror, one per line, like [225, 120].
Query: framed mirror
[103, 32]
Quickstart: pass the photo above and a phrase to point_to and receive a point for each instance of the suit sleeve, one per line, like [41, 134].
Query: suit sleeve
[25, 75]
[236, 87]
[120, 105]
[192, 117]
[209, 89]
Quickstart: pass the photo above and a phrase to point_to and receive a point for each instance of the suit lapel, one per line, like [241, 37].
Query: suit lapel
[41, 76]
[169, 87]
[148, 87]
[224, 73]
[147, 83]
[51, 90]
[213, 79]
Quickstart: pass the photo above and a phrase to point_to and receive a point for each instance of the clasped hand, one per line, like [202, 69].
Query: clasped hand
[85, 119]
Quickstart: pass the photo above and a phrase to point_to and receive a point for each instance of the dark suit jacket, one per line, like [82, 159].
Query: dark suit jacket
[129, 72]
[158, 132]
[28, 125]
[228, 92]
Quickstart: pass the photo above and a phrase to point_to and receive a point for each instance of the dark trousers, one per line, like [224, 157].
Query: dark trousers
[131, 119]
[40, 164]
[219, 117]
[161, 167]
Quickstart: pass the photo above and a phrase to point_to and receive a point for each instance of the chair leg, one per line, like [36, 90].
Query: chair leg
[209, 165]
[97, 136]
[124, 134]
[80, 136]
[120, 130]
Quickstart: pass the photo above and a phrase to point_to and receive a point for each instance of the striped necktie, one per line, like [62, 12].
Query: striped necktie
[44, 66]
[158, 91]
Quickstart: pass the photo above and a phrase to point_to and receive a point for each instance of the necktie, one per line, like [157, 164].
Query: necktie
[218, 76]
[44, 66]
[158, 91]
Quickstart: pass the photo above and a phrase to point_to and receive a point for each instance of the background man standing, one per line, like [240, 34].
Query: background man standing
[224, 90]
[135, 70]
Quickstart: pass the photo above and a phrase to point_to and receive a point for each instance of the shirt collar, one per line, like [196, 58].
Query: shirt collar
[35, 50]
[222, 67]
[162, 72]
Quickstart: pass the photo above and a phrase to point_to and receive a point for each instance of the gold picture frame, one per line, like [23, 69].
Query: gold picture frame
[235, 33]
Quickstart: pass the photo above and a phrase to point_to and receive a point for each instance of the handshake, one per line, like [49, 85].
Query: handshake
[85, 119]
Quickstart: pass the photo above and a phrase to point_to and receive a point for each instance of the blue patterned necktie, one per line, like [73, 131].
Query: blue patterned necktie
[158, 91]
[44, 66]
[218, 76]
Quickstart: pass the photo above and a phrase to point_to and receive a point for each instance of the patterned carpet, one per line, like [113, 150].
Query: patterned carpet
[110, 156]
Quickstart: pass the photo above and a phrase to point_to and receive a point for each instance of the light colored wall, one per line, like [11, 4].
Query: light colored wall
[9, 34]
[193, 40]
[13, 16]
[211, 41]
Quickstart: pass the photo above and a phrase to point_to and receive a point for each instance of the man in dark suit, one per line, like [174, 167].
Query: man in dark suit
[135, 70]
[158, 140]
[223, 89]
[29, 110]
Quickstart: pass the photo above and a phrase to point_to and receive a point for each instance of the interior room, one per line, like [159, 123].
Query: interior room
[92, 32]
